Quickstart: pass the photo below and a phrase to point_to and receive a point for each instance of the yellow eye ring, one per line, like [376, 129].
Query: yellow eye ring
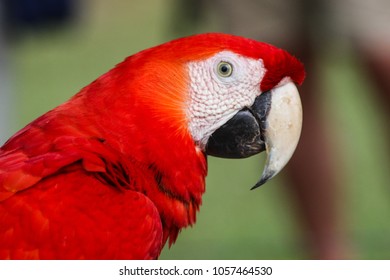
[225, 69]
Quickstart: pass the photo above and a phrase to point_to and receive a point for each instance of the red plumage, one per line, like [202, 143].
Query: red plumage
[114, 172]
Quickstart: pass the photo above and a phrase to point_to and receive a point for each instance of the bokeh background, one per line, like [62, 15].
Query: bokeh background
[49, 52]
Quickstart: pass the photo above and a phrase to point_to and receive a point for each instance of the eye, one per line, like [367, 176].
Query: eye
[224, 69]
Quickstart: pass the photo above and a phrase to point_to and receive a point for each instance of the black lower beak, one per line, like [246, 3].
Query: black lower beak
[242, 136]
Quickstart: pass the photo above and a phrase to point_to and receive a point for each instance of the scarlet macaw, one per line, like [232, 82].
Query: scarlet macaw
[120, 168]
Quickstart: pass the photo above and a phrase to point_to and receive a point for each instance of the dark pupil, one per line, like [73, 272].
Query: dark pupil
[224, 69]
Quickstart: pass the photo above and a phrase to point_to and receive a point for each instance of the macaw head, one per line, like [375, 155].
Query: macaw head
[236, 97]
[232, 97]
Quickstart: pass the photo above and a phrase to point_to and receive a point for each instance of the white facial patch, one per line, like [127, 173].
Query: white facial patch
[217, 95]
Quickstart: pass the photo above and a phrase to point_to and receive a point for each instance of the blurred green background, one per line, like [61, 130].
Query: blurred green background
[46, 68]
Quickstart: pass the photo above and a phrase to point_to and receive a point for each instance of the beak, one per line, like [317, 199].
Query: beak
[273, 123]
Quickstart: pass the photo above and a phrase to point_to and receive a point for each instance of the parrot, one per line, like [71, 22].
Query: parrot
[118, 170]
